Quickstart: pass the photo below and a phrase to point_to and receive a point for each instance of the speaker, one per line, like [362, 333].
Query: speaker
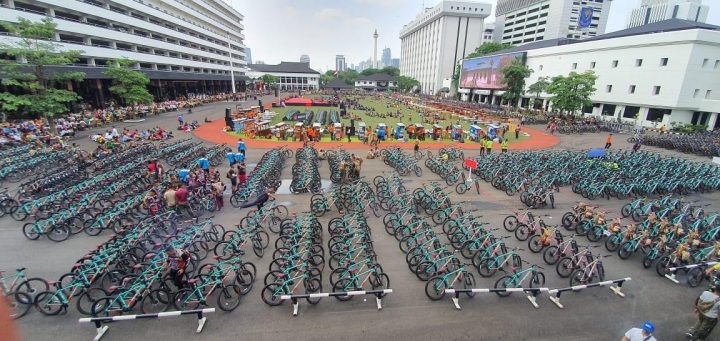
[262, 109]
[227, 112]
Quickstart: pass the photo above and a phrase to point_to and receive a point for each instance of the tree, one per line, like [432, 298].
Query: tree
[370, 71]
[127, 84]
[31, 83]
[391, 70]
[327, 77]
[488, 48]
[573, 92]
[514, 75]
[539, 87]
[406, 83]
[269, 80]
[349, 76]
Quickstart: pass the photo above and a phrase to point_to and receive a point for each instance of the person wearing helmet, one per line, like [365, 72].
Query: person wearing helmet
[644, 333]
[707, 307]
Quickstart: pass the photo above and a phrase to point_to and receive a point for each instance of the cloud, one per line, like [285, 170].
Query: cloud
[360, 22]
[382, 3]
[329, 14]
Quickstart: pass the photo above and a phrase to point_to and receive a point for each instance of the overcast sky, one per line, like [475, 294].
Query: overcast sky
[282, 30]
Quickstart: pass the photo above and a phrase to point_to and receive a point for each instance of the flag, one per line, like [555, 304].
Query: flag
[585, 18]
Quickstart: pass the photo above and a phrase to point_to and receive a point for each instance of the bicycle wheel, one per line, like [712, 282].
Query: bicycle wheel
[486, 267]
[625, 250]
[58, 233]
[31, 231]
[626, 210]
[565, 267]
[156, 301]
[312, 286]
[662, 266]
[578, 278]
[435, 288]
[186, 299]
[612, 243]
[32, 287]
[537, 280]
[504, 283]
[380, 282]
[522, 233]
[511, 223]
[271, 294]
[229, 297]
[343, 285]
[695, 277]
[48, 303]
[535, 244]
[469, 283]
[86, 300]
[551, 255]
[18, 304]
[461, 188]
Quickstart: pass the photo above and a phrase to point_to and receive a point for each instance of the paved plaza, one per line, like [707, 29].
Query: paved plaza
[407, 314]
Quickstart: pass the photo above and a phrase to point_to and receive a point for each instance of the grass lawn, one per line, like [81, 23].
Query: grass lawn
[410, 114]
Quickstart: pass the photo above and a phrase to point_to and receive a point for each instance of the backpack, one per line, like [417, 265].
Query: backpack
[704, 307]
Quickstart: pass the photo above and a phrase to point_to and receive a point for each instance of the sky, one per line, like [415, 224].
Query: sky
[282, 30]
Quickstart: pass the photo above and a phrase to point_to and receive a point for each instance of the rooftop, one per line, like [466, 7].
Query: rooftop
[283, 67]
[381, 77]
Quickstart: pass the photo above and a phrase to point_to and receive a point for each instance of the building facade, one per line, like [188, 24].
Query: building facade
[248, 55]
[522, 21]
[377, 82]
[395, 62]
[305, 59]
[340, 64]
[488, 32]
[290, 75]
[651, 11]
[183, 46]
[437, 38]
[654, 74]
[386, 59]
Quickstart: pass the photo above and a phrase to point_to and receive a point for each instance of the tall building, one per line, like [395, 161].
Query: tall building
[248, 55]
[386, 59]
[438, 37]
[183, 46]
[340, 63]
[305, 59]
[375, 36]
[488, 32]
[523, 21]
[395, 62]
[651, 11]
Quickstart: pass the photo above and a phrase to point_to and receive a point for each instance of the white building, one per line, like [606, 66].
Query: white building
[340, 64]
[291, 75]
[377, 81]
[439, 36]
[523, 21]
[662, 72]
[183, 46]
[651, 11]
[305, 59]
[487, 36]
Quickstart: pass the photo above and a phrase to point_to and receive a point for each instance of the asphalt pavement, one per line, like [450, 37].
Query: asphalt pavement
[407, 314]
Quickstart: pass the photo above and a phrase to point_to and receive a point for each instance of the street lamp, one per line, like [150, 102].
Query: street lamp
[232, 69]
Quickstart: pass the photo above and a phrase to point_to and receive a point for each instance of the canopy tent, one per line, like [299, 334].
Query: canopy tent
[299, 101]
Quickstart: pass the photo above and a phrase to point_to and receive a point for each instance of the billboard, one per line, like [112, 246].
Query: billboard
[585, 18]
[486, 72]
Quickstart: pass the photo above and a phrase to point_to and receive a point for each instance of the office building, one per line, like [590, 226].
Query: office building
[248, 55]
[488, 32]
[340, 63]
[395, 62]
[290, 75]
[522, 21]
[183, 46]
[653, 74]
[386, 59]
[437, 38]
[651, 11]
[305, 59]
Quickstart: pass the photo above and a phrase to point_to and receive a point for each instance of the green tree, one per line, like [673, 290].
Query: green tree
[405, 83]
[370, 71]
[488, 48]
[514, 75]
[539, 87]
[327, 77]
[30, 82]
[129, 85]
[349, 76]
[391, 70]
[269, 80]
[573, 92]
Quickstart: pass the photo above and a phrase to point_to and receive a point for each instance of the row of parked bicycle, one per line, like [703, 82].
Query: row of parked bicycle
[306, 176]
[703, 143]
[266, 174]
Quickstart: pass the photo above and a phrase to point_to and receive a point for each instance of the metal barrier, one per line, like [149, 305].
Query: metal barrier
[532, 298]
[101, 329]
[296, 304]
[690, 266]
[555, 293]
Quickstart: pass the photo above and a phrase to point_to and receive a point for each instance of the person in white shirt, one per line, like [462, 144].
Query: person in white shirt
[644, 333]
[115, 132]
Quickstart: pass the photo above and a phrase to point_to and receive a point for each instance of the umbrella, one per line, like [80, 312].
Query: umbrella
[470, 163]
[597, 152]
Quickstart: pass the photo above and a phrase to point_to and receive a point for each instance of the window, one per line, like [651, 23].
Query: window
[696, 93]
[707, 94]
[705, 61]
[541, 67]
[656, 115]
[574, 66]
[717, 64]
[608, 110]
[631, 90]
[592, 65]
[663, 61]
[630, 112]
[656, 90]
[614, 63]
[608, 88]
[638, 62]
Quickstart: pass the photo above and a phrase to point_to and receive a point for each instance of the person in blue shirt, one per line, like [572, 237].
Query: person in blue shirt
[241, 146]
[239, 157]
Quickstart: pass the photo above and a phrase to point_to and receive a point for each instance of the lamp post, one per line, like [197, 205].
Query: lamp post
[232, 69]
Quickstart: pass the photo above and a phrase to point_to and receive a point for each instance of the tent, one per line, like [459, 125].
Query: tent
[299, 101]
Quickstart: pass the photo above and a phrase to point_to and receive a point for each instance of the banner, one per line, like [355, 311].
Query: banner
[585, 19]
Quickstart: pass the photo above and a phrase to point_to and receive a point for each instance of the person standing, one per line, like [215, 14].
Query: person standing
[181, 200]
[608, 142]
[644, 333]
[504, 146]
[242, 174]
[489, 146]
[169, 197]
[707, 307]
[482, 146]
[241, 146]
[232, 175]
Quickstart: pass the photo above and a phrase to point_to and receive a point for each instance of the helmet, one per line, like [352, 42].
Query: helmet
[648, 327]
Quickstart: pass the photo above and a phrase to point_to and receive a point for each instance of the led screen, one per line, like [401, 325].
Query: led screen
[486, 72]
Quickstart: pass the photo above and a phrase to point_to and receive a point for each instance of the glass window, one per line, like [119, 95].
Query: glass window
[631, 89]
[608, 88]
[656, 90]
[638, 62]
[663, 61]
[614, 63]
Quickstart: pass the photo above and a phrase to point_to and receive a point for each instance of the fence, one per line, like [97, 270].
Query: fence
[296, 304]
[555, 293]
[532, 298]
[101, 329]
[686, 267]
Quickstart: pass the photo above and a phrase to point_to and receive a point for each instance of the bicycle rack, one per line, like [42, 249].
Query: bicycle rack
[534, 292]
[102, 329]
[296, 304]
[555, 293]
[690, 266]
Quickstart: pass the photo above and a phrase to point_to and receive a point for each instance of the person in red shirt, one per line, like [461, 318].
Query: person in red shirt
[181, 201]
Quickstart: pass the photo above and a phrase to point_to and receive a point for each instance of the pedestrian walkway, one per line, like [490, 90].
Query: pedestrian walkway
[213, 132]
